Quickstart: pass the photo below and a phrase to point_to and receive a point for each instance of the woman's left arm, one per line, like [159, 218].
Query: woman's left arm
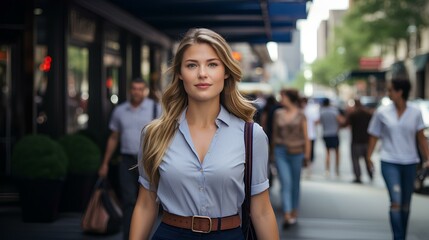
[263, 217]
[423, 146]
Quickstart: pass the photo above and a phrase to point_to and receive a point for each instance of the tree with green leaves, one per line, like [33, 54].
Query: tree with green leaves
[369, 23]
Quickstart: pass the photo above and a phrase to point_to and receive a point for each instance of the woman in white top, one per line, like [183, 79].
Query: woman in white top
[192, 158]
[398, 126]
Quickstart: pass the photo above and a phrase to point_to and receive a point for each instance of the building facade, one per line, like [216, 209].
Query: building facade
[64, 65]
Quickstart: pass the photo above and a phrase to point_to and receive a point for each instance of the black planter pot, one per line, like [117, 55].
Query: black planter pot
[40, 199]
[77, 191]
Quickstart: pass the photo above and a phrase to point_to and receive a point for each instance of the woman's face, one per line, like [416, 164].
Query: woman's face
[285, 101]
[203, 73]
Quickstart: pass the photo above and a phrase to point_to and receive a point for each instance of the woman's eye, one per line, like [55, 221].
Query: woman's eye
[213, 64]
[191, 65]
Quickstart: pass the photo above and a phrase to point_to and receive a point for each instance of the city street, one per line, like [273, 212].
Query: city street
[79, 79]
[335, 208]
[331, 208]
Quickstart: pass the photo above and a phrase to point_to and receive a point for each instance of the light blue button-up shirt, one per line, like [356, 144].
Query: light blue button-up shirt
[397, 135]
[215, 187]
[130, 121]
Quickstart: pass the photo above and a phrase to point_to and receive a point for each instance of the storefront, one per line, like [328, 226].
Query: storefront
[64, 65]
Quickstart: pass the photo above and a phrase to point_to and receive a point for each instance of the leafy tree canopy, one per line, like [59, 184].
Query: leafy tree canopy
[368, 23]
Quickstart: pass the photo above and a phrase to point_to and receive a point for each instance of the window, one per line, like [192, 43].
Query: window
[77, 88]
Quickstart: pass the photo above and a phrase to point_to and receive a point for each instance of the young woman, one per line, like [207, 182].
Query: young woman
[192, 158]
[291, 148]
[398, 125]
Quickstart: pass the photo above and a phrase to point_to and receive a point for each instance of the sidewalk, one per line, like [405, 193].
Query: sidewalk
[331, 208]
[334, 208]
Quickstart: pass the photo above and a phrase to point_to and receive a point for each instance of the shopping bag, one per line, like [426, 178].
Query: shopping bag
[103, 214]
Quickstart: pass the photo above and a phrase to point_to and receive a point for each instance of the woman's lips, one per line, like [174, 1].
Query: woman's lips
[203, 85]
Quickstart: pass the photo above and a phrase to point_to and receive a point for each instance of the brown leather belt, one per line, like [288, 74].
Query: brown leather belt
[201, 224]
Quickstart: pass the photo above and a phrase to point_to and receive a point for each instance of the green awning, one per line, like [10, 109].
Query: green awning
[355, 74]
[420, 61]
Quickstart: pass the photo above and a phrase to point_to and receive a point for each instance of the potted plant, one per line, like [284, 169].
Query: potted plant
[40, 166]
[84, 161]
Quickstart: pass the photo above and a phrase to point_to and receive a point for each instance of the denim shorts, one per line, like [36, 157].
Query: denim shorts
[167, 232]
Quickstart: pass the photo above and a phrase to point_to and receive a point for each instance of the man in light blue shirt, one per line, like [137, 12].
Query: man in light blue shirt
[127, 121]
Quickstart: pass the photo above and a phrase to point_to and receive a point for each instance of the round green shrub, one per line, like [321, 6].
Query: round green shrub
[83, 154]
[38, 156]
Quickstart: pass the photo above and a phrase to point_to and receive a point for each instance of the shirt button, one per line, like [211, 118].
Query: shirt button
[201, 189]
[203, 209]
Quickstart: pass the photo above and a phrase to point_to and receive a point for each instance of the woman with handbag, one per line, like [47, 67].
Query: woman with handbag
[193, 158]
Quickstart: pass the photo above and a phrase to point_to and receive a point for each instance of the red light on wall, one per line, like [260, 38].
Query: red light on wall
[3, 55]
[109, 83]
[46, 65]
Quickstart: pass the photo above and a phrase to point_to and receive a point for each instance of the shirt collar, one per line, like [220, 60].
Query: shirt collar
[223, 116]
[130, 107]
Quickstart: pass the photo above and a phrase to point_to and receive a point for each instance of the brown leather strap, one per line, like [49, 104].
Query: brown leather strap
[201, 224]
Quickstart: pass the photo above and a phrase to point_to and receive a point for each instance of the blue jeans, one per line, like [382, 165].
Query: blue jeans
[167, 232]
[400, 184]
[128, 180]
[289, 171]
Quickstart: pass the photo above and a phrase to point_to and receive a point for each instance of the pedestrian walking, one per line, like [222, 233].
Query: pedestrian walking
[311, 111]
[291, 148]
[399, 126]
[267, 116]
[358, 120]
[192, 158]
[126, 123]
[331, 120]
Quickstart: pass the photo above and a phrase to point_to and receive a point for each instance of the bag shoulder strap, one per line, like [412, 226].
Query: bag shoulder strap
[154, 110]
[248, 140]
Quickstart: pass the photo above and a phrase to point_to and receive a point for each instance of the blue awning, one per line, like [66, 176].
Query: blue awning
[252, 21]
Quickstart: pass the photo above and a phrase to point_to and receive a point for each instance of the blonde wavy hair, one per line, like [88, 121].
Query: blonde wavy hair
[158, 133]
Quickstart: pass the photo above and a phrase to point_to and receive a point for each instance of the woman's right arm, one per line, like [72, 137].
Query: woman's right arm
[144, 215]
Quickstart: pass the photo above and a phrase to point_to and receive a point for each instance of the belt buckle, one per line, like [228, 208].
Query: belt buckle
[201, 217]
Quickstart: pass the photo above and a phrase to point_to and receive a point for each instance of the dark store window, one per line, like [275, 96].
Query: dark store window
[77, 88]
[112, 62]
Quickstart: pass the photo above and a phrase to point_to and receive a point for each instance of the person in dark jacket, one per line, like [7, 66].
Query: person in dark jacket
[358, 120]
